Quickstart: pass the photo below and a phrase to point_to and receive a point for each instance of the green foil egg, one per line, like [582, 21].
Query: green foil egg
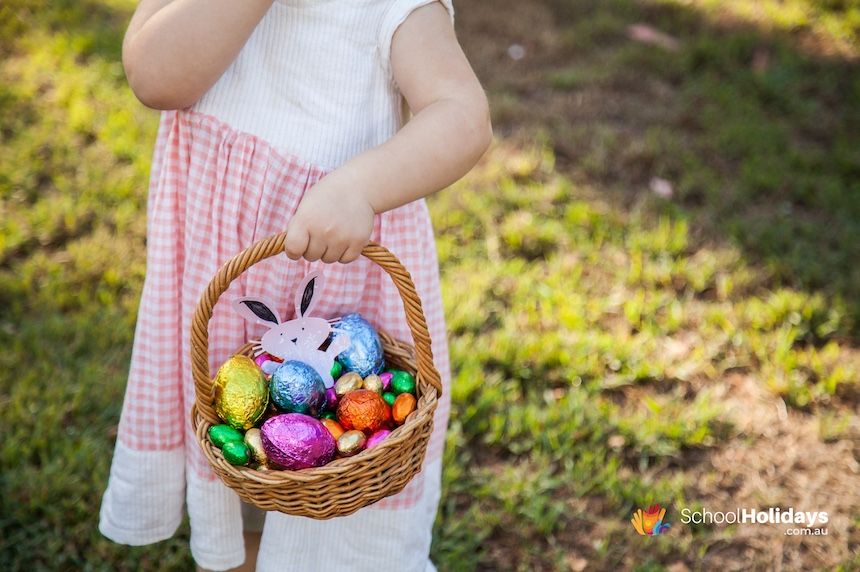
[329, 415]
[236, 453]
[402, 381]
[221, 434]
[389, 397]
[241, 392]
[336, 369]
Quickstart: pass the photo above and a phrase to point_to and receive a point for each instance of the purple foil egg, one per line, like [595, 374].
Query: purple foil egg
[386, 379]
[296, 441]
[377, 438]
[331, 399]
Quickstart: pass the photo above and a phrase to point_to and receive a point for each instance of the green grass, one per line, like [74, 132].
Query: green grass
[592, 323]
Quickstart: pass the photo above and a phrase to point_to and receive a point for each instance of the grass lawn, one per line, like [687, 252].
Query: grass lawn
[652, 284]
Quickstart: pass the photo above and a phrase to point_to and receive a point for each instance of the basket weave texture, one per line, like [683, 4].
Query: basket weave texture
[347, 484]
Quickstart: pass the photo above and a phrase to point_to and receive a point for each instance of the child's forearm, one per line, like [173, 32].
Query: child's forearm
[434, 149]
[451, 127]
[175, 50]
[447, 136]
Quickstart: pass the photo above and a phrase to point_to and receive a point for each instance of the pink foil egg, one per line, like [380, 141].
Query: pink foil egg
[297, 441]
[377, 438]
[385, 377]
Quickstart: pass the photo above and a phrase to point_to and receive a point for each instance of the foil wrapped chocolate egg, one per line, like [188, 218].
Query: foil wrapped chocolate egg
[236, 453]
[221, 434]
[296, 441]
[385, 378]
[351, 442]
[254, 441]
[296, 387]
[330, 399]
[402, 381]
[364, 354]
[403, 406]
[336, 369]
[364, 410]
[377, 438]
[241, 392]
[389, 398]
[373, 383]
[333, 427]
[349, 381]
[264, 357]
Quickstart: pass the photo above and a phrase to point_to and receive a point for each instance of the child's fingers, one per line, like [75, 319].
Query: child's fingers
[315, 250]
[296, 242]
[351, 253]
[333, 252]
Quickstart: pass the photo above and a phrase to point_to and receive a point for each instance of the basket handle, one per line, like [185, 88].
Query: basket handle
[273, 246]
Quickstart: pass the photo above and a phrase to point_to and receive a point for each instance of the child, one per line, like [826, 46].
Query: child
[285, 114]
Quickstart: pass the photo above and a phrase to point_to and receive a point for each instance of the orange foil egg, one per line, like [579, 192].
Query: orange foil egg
[364, 410]
[333, 427]
[403, 406]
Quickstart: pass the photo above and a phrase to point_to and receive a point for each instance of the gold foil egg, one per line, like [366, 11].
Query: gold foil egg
[351, 442]
[255, 444]
[373, 383]
[348, 382]
[241, 392]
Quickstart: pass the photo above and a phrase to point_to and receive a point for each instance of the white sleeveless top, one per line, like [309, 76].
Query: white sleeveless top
[314, 79]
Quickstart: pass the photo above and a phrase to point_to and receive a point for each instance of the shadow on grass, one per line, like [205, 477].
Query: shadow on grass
[757, 132]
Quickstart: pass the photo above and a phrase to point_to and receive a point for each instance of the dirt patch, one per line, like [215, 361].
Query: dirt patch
[777, 459]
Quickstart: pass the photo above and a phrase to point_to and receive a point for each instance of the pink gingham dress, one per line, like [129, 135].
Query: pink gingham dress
[311, 88]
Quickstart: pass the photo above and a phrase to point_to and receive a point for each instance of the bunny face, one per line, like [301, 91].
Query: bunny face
[298, 339]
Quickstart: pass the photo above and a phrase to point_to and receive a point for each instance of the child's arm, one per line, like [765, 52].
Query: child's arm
[448, 133]
[175, 50]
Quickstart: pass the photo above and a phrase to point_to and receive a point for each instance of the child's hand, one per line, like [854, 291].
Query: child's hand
[333, 222]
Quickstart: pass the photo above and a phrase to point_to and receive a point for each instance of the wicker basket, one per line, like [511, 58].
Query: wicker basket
[344, 485]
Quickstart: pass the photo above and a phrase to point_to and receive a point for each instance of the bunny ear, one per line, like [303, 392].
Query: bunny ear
[257, 310]
[305, 296]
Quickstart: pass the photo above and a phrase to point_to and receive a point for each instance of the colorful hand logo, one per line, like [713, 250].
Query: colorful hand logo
[650, 522]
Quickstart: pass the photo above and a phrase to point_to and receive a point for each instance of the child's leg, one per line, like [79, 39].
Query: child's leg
[252, 546]
[252, 529]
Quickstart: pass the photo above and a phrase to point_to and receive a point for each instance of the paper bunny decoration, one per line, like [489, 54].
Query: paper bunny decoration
[298, 339]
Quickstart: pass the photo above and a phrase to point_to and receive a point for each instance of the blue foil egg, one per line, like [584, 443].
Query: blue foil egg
[296, 387]
[364, 354]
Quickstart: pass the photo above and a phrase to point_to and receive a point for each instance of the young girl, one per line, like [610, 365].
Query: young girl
[285, 114]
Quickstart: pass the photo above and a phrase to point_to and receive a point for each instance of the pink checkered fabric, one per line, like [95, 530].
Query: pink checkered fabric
[213, 192]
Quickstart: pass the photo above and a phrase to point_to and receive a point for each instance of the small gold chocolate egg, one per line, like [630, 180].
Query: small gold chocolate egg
[348, 382]
[373, 383]
[351, 442]
[255, 444]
